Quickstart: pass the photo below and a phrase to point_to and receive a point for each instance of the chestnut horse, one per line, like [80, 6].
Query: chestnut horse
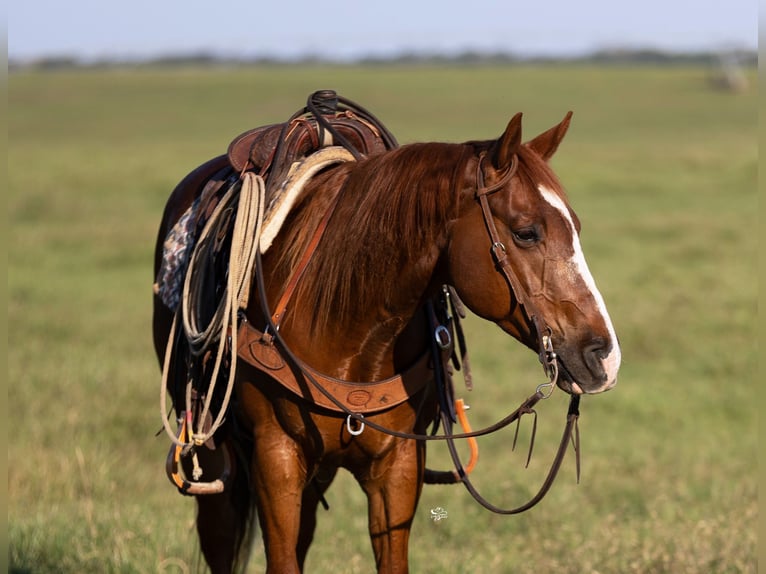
[407, 221]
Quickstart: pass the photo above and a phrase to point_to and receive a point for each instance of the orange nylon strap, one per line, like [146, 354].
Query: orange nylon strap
[473, 445]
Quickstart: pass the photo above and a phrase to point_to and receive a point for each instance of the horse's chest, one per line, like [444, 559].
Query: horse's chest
[321, 438]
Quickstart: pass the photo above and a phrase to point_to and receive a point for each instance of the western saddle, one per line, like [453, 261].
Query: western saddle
[327, 119]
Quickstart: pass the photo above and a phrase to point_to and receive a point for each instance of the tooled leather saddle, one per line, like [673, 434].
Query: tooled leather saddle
[327, 119]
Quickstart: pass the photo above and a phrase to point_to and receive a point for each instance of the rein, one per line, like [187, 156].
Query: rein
[231, 312]
[546, 354]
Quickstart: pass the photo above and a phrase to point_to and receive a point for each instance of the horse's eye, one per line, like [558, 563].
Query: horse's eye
[526, 236]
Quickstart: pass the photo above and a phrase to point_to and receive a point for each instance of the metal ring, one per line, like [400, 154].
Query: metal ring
[552, 370]
[551, 386]
[499, 245]
[352, 432]
[438, 332]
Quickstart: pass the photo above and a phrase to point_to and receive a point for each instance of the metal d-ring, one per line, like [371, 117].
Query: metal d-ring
[550, 386]
[440, 331]
[351, 431]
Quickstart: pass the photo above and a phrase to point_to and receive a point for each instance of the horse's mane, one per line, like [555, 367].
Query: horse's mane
[395, 208]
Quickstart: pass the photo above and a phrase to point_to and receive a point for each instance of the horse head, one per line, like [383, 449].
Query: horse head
[515, 258]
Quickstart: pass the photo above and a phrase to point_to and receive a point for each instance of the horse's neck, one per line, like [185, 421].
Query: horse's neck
[369, 325]
[380, 339]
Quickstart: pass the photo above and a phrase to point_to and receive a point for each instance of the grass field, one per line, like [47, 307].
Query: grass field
[662, 172]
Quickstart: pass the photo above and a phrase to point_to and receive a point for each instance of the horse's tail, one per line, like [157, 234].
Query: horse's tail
[243, 505]
[245, 528]
[226, 521]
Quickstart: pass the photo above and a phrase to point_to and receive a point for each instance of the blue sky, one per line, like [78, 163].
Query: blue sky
[341, 29]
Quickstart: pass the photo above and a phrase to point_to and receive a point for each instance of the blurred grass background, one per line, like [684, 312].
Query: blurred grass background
[661, 169]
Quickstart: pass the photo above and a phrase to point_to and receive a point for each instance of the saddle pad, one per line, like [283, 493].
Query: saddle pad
[176, 251]
[299, 174]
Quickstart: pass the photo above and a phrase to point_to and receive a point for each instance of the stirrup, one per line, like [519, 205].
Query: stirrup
[185, 486]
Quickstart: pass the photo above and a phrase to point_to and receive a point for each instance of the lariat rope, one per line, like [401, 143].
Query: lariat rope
[249, 194]
[252, 232]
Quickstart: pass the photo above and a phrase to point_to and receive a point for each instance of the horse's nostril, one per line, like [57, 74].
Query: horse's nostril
[599, 347]
[594, 353]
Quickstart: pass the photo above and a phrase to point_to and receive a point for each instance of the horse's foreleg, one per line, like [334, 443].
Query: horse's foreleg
[311, 498]
[393, 486]
[278, 478]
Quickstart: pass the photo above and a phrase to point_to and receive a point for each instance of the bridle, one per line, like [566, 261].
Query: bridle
[503, 264]
[546, 354]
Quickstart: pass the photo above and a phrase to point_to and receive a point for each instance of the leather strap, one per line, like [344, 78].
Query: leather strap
[362, 398]
[570, 428]
[500, 254]
[281, 307]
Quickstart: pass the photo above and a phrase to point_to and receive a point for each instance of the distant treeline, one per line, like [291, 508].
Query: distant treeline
[744, 58]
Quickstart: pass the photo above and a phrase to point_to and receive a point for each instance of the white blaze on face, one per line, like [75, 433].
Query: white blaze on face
[611, 363]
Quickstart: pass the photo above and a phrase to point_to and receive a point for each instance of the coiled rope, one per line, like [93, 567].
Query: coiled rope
[249, 194]
[252, 231]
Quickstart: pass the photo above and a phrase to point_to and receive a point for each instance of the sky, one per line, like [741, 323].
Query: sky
[349, 29]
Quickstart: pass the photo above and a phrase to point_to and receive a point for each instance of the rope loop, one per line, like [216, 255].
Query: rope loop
[247, 194]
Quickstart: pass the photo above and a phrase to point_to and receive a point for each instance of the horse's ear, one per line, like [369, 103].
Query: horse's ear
[506, 147]
[548, 142]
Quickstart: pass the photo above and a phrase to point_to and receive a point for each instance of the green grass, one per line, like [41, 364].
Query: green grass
[662, 172]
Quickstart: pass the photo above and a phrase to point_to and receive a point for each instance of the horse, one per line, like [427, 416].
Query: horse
[488, 218]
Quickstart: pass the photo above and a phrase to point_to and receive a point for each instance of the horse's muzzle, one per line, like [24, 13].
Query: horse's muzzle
[593, 370]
